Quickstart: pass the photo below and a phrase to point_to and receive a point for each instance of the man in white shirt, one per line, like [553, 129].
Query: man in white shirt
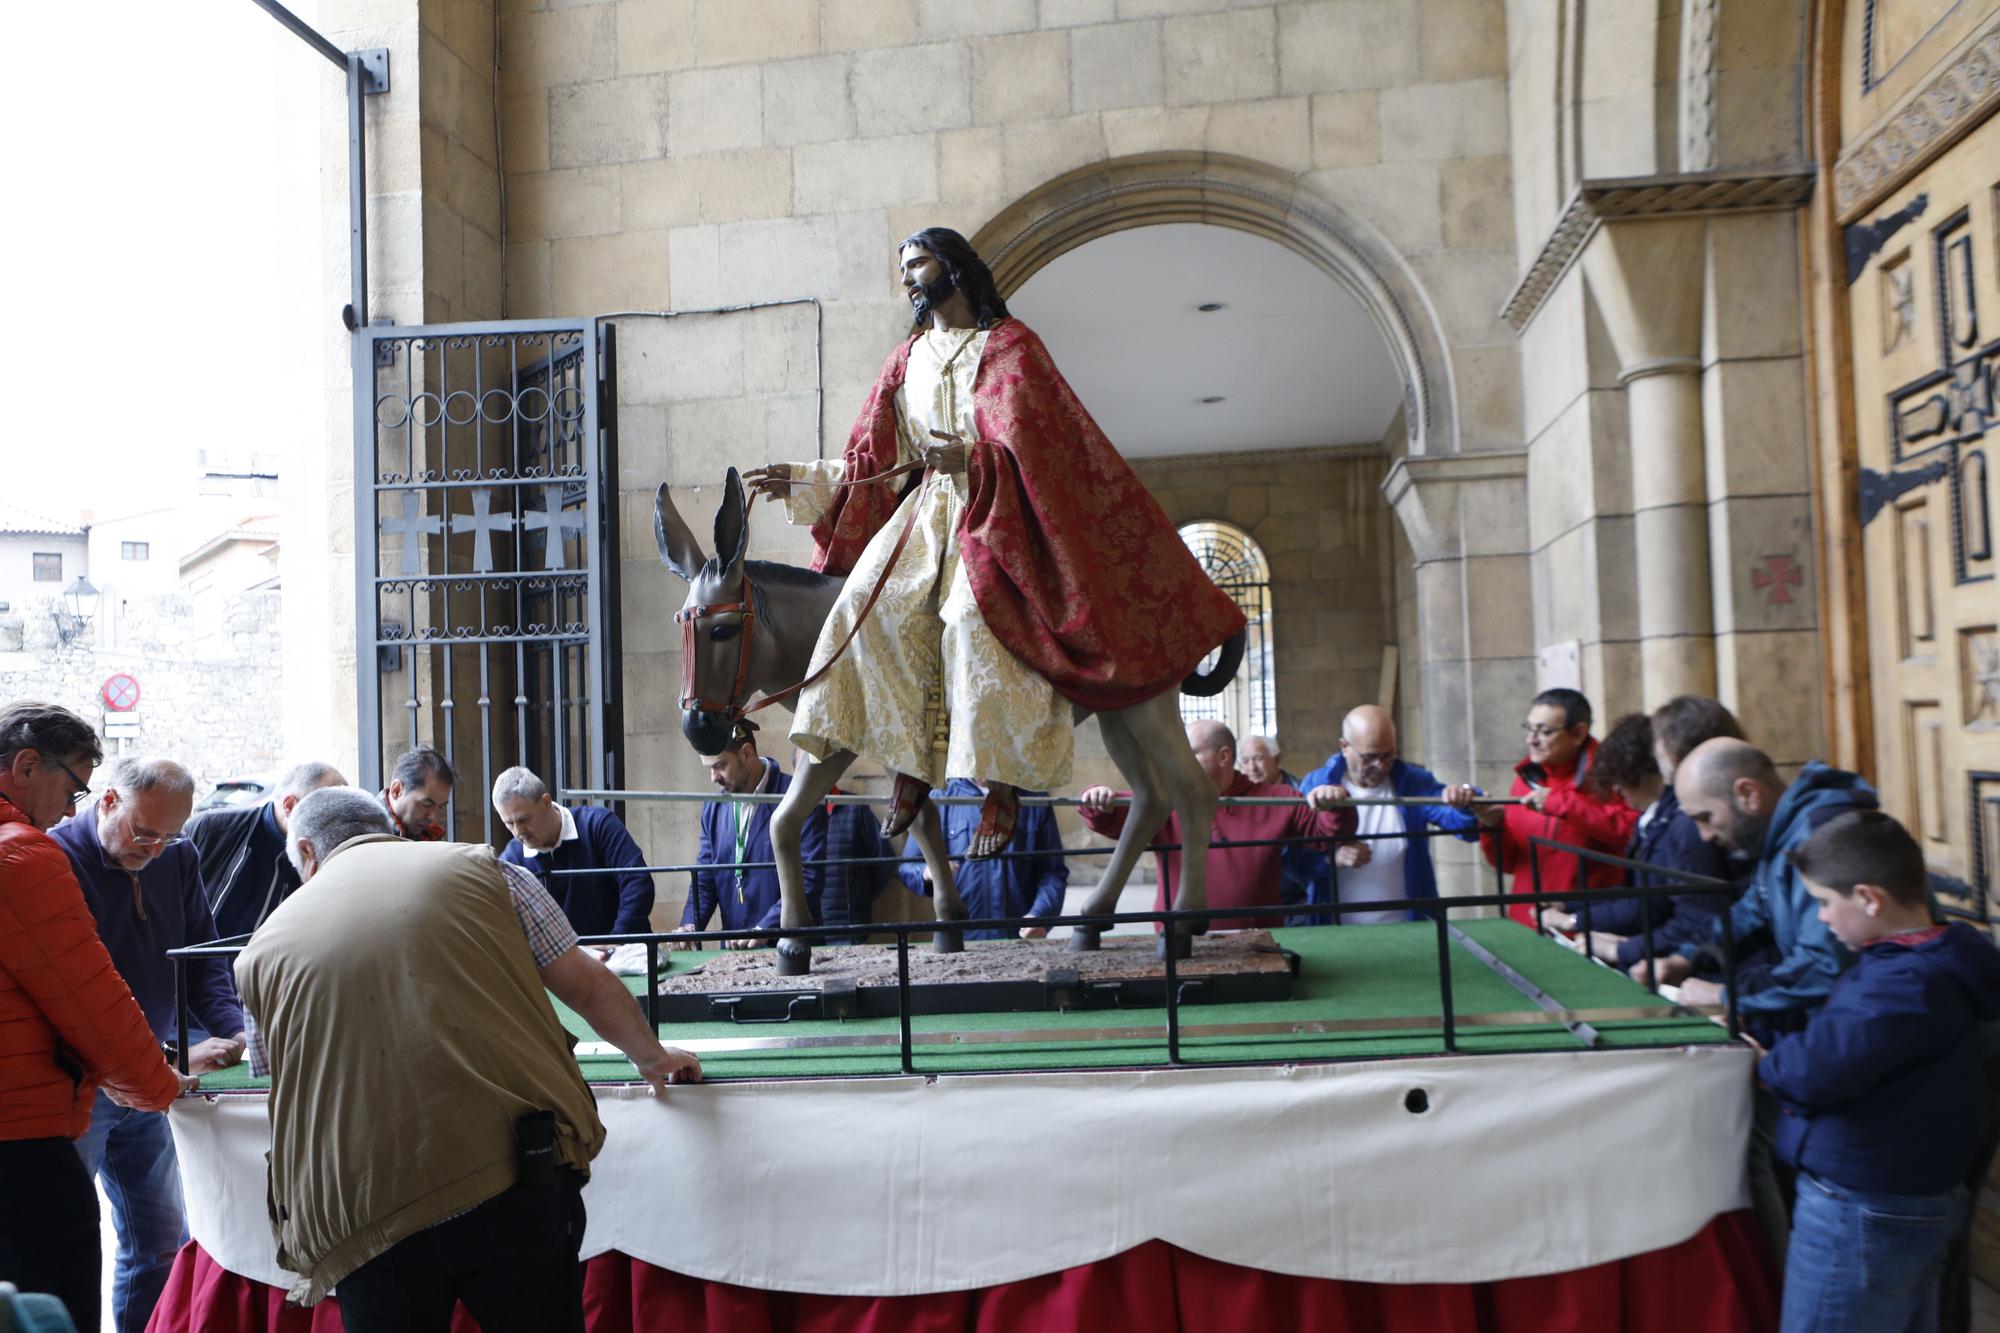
[1382, 868]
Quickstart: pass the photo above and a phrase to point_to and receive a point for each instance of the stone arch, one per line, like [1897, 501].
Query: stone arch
[1151, 189]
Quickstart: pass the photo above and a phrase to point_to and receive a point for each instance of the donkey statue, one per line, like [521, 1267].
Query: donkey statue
[750, 626]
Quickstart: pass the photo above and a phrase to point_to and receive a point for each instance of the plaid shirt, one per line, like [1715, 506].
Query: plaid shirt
[542, 921]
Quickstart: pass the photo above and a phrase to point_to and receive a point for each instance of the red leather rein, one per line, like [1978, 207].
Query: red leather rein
[688, 617]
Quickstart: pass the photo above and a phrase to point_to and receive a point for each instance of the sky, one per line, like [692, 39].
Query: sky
[162, 216]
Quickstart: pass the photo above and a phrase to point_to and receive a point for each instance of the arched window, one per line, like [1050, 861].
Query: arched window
[1230, 556]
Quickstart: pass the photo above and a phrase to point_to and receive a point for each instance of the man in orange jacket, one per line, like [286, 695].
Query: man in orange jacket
[68, 1023]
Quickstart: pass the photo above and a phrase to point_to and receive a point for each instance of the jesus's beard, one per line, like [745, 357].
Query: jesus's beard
[929, 296]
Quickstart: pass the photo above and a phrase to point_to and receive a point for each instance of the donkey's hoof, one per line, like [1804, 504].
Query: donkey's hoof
[1182, 945]
[948, 941]
[795, 958]
[1083, 940]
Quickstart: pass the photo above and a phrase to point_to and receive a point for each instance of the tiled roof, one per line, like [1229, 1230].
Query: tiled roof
[14, 519]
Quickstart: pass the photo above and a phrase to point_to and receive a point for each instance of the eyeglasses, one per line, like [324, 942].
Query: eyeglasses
[156, 840]
[1538, 733]
[1374, 760]
[82, 786]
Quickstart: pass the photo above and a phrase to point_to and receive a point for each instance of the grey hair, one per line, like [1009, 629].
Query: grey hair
[131, 775]
[331, 816]
[518, 784]
[309, 776]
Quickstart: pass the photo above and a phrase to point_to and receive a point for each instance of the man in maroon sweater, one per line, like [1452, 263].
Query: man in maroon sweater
[1237, 876]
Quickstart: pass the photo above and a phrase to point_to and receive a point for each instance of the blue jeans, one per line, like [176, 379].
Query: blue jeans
[132, 1155]
[1866, 1263]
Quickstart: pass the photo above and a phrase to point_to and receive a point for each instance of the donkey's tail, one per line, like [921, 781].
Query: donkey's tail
[1228, 657]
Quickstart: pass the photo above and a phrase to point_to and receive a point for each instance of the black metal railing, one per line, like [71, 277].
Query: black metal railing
[1439, 911]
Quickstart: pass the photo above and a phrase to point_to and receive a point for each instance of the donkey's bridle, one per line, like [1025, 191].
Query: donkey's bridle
[687, 617]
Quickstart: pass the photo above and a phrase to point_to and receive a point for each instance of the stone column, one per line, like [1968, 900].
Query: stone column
[1466, 519]
[1647, 278]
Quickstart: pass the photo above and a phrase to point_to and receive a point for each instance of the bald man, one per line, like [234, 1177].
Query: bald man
[1786, 958]
[1237, 876]
[1387, 867]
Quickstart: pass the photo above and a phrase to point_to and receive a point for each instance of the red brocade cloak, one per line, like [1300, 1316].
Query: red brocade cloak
[1075, 566]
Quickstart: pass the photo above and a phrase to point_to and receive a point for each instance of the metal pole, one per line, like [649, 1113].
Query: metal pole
[303, 31]
[357, 182]
[903, 997]
[1444, 979]
[181, 1014]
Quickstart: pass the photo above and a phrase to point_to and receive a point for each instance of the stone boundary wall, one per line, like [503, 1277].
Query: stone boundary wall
[211, 686]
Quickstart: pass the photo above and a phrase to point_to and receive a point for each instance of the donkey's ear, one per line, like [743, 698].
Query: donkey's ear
[732, 526]
[680, 550]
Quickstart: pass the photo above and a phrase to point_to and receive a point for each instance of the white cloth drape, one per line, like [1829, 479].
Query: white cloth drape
[1521, 1165]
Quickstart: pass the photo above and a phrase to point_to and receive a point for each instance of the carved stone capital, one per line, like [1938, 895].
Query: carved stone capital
[1660, 365]
[1598, 201]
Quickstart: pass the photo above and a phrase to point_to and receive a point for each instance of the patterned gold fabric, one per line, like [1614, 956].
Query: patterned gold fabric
[925, 688]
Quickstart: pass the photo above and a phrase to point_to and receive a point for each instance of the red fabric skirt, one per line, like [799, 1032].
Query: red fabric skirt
[1718, 1281]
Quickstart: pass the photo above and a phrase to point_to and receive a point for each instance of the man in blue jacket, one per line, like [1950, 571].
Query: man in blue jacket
[734, 833]
[1386, 866]
[1786, 959]
[1006, 886]
[550, 837]
[142, 880]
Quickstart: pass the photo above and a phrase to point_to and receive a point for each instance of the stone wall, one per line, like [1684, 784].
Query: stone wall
[663, 154]
[211, 688]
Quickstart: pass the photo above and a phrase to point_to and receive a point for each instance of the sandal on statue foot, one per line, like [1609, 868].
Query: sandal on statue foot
[997, 814]
[909, 797]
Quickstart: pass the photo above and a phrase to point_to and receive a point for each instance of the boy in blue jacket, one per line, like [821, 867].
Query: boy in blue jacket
[1882, 1094]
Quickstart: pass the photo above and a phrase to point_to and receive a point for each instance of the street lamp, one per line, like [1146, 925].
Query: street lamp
[81, 600]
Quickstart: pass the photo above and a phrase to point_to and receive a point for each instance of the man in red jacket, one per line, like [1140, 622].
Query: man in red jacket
[67, 1020]
[1554, 807]
[1237, 876]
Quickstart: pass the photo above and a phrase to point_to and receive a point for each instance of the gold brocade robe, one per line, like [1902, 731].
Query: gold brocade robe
[925, 688]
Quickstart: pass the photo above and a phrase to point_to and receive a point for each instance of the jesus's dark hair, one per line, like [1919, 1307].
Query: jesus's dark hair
[968, 272]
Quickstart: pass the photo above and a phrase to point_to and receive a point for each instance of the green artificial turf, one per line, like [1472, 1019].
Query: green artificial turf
[1382, 971]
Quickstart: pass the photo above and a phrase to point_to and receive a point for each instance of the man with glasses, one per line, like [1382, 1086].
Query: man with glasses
[1557, 805]
[142, 880]
[1386, 866]
[70, 1023]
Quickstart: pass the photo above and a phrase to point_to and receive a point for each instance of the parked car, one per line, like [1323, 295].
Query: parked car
[247, 790]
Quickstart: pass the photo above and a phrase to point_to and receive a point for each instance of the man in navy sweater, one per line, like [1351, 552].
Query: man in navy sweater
[142, 880]
[550, 837]
[1882, 1095]
[1010, 886]
[734, 833]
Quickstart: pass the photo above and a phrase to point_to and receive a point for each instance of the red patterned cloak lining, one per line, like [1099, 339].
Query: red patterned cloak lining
[1075, 566]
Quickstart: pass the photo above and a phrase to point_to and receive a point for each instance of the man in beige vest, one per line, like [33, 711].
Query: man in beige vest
[430, 1131]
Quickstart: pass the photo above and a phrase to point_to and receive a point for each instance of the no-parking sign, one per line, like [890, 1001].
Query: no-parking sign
[120, 693]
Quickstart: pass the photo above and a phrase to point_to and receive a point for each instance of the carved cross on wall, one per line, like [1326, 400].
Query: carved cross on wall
[1778, 574]
[554, 521]
[484, 523]
[413, 525]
